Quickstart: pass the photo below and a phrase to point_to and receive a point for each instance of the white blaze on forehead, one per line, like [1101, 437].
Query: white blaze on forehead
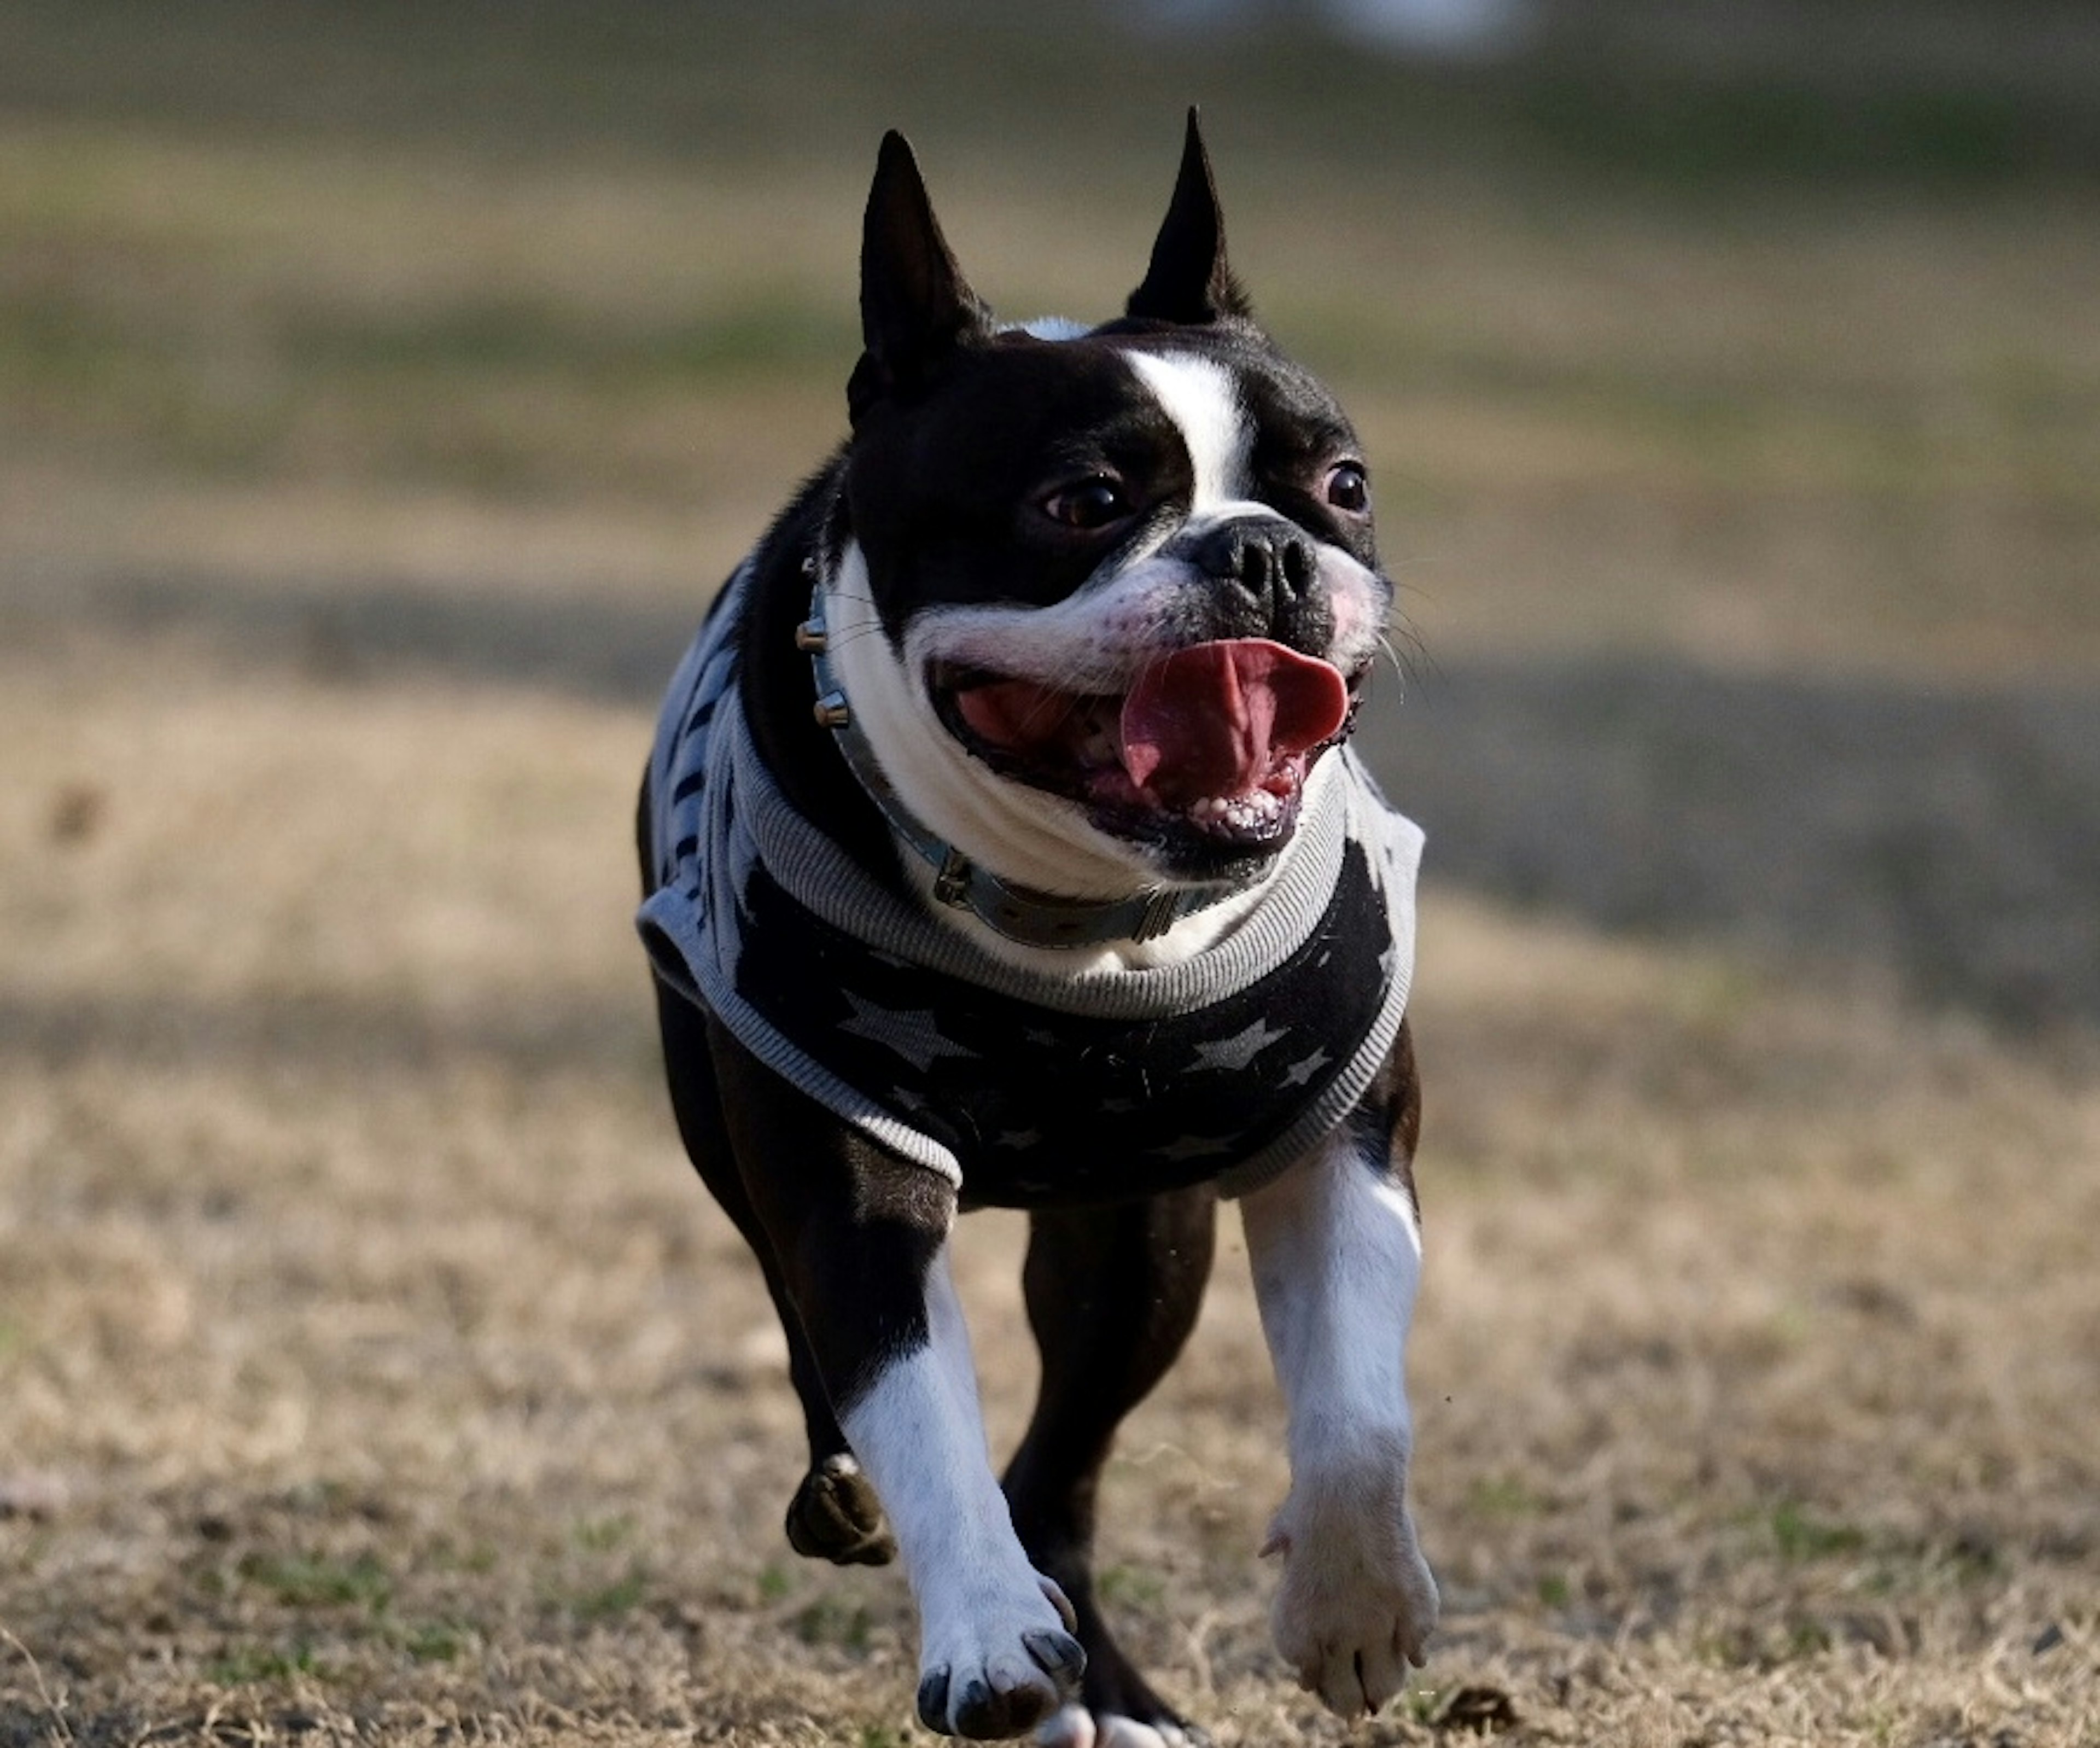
[1201, 398]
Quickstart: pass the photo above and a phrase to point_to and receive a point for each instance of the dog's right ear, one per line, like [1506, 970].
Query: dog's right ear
[915, 304]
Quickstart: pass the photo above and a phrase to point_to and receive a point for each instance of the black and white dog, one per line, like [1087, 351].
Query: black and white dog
[1000, 845]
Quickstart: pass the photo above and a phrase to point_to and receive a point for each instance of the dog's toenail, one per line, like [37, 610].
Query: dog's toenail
[934, 1700]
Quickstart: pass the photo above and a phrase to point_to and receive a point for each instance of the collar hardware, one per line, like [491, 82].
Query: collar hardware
[951, 883]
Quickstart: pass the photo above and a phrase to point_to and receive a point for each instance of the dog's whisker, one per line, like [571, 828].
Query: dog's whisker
[1393, 655]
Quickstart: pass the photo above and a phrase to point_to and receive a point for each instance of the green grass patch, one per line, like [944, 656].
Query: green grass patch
[315, 1581]
[435, 1641]
[1800, 1535]
[610, 1602]
[1130, 1586]
[832, 1620]
[716, 86]
[1503, 1497]
[602, 1535]
[249, 1665]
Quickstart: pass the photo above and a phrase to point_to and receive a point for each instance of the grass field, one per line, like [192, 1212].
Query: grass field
[381, 393]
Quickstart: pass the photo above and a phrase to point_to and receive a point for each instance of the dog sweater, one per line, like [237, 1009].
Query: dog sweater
[1018, 1087]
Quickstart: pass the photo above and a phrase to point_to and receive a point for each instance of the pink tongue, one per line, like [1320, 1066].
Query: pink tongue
[1215, 718]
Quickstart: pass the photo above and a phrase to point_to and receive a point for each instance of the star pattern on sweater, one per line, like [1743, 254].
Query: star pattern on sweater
[911, 1032]
[1235, 1052]
[1300, 1073]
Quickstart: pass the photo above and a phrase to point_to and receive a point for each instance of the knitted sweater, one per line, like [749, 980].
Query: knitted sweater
[1021, 1088]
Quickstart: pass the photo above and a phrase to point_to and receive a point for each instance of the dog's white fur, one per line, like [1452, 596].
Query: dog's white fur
[1095, 640]
[1201, 399]
[919, 1432]
[1336, 1254]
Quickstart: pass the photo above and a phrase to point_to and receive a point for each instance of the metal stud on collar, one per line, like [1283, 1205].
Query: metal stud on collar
[951, 884]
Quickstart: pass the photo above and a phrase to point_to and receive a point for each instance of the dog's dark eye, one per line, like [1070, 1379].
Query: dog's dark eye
[1094, 502]
[1349, 488]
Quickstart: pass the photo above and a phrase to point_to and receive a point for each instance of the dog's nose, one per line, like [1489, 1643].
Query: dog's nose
[1268, 560]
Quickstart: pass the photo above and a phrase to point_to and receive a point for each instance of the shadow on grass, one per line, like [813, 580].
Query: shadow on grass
[379, 1037]
[1952, 834]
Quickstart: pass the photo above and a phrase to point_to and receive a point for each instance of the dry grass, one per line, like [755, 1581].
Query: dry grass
[372, 1367]
[371, 1359]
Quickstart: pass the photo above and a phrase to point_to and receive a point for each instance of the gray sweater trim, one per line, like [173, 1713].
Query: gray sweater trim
[717, 815]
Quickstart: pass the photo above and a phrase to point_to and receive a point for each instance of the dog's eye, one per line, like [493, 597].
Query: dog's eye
[1349, 488]
[1094, 502]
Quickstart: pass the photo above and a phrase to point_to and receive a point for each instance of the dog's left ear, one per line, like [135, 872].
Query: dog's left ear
[1189, 280]
[916, 305]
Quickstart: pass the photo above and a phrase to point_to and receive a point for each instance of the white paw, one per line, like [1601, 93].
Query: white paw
[999, 1669]
[1075, 1727]
[1356, 1603]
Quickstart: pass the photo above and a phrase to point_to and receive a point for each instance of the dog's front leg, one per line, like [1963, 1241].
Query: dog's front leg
[996, 1650]
[1336, 1252]
[861, 1238]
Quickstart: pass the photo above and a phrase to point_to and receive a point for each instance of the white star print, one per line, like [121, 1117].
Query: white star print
[910, 1032]
[1299, 1073]
[1236, 1052]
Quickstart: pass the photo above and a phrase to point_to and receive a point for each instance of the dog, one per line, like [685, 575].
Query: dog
[1001, 845]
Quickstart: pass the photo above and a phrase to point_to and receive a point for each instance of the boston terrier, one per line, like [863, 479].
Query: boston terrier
[1001, 845]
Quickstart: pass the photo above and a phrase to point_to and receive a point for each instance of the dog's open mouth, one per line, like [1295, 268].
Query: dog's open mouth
[1215, 739]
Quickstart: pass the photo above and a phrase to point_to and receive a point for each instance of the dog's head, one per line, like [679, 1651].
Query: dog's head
[1108, 593]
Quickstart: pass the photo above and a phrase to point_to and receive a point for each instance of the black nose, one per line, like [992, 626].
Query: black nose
[1267, 560]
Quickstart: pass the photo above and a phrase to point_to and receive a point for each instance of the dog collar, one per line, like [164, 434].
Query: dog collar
[1020, 913]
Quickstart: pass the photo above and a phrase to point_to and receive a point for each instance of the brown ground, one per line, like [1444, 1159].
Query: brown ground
[370, 1364]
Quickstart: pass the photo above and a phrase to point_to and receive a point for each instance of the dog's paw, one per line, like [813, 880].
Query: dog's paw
[1000, 1671]
[1356, 1603]
[1075, 1727]
[835, 1516]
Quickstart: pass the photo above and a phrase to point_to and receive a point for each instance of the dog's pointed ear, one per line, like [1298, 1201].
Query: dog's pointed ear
[1189, 280]
[915, 303]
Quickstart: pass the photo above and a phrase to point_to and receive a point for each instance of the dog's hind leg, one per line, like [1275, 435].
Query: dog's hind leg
[834, 1514]
[1113, 1293]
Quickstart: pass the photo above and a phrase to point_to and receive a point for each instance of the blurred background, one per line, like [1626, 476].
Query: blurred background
[385, 386]
[1731, 372]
